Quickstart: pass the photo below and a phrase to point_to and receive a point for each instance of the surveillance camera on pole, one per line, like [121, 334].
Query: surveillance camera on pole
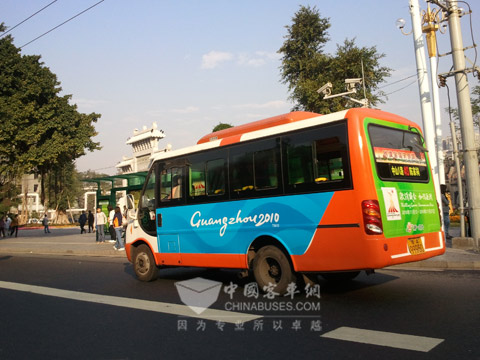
[326, 89]
[350, 85]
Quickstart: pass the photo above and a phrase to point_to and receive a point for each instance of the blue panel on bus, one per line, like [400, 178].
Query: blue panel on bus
[230, 227]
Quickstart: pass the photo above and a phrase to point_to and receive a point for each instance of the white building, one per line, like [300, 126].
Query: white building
[144, 144]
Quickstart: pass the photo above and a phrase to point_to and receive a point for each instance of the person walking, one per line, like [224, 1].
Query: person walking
[8, 221]
[111, 229]
[82, 220]
[117, 225]
[2, 225]
[14, 226]
[91, 220]
[445, 210]
[100, 221]
[45, 224]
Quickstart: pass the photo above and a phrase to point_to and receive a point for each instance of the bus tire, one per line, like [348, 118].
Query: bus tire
[272, 267]
[340, 276]
[144, 264]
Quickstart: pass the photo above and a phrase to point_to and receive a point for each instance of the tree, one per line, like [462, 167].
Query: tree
[221, 126]
[41, 131]
[475, 101]
[305, 67]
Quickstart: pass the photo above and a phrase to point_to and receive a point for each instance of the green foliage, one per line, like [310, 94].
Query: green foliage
[41, 131]
[221, 126]
[475, 101]
[63, 186]
[305, 67]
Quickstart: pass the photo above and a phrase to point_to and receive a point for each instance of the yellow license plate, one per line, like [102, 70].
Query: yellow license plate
[415, 246]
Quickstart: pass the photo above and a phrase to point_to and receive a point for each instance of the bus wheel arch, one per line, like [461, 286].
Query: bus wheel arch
[144, 263]
[271, 264]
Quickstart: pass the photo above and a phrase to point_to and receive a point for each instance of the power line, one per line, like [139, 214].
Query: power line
[56, 27]
[395, 82]
[28, 18]
[393, 92]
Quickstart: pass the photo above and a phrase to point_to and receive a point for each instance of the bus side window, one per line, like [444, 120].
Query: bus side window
[215, 177]
[329, 164]
[316, 159]
[299, 163]
[266, 176]
[197, 179]
[171, 184]
[241, 177]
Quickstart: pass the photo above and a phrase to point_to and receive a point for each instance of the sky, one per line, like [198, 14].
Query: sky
[190, 65]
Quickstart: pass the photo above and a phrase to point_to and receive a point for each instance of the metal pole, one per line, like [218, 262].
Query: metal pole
[430, 27]
[425, 102]
[459, 178]
[466, 121]
[438, 120]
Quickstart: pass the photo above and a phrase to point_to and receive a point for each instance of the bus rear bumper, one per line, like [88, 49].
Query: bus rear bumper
[374, 252]
[415, 248]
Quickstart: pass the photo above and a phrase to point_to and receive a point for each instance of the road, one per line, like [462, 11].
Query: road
[59, 307]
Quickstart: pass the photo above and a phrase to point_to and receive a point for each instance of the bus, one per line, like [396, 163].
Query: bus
[290, 197]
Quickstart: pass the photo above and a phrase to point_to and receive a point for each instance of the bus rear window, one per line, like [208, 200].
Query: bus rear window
[399, 154]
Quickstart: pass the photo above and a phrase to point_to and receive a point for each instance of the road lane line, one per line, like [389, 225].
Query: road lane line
[382, 338]
[161, 307]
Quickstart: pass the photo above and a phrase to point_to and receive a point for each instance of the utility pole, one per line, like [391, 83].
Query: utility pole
[466, 120]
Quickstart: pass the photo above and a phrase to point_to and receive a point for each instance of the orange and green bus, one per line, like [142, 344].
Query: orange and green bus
[294, 195]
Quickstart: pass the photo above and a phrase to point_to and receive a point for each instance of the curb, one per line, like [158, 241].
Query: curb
[439, 264]
[68, 252]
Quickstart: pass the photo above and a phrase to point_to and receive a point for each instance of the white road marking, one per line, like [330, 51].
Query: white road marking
[382, 338]
[161, 307]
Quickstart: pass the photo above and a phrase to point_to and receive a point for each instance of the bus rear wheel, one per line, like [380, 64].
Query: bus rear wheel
[272, 267]
[144, 264]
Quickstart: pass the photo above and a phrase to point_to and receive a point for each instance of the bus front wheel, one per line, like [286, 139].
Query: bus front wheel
[272, 270]
[144, 264]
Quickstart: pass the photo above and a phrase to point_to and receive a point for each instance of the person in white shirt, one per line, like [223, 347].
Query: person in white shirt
[100, 221]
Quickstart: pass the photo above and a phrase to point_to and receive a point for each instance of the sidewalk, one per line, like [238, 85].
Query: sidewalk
[69, 241]
[60, 241]
[453, 259]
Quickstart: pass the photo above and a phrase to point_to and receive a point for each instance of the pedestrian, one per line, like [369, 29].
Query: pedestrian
[100, 221]
[445, 210]
[82, 220]
[117, 225]
[45, 224]
[2, 225]
[8, 221]
[91, 220]
[111, 230]
[14, 226]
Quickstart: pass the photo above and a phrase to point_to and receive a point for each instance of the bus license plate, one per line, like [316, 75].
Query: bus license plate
[415, 246]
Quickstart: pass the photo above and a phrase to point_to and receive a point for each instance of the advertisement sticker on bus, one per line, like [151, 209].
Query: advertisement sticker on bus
[403, 182]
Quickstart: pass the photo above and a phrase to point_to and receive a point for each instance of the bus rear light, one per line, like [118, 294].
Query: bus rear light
[372, 218]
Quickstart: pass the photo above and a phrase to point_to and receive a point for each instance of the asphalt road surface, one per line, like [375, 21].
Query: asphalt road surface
[54, 307]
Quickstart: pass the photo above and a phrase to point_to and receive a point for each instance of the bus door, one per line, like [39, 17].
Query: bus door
[172, 193]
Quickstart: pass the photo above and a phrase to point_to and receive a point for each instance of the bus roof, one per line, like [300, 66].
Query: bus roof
[258, 125]
[275, 125]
